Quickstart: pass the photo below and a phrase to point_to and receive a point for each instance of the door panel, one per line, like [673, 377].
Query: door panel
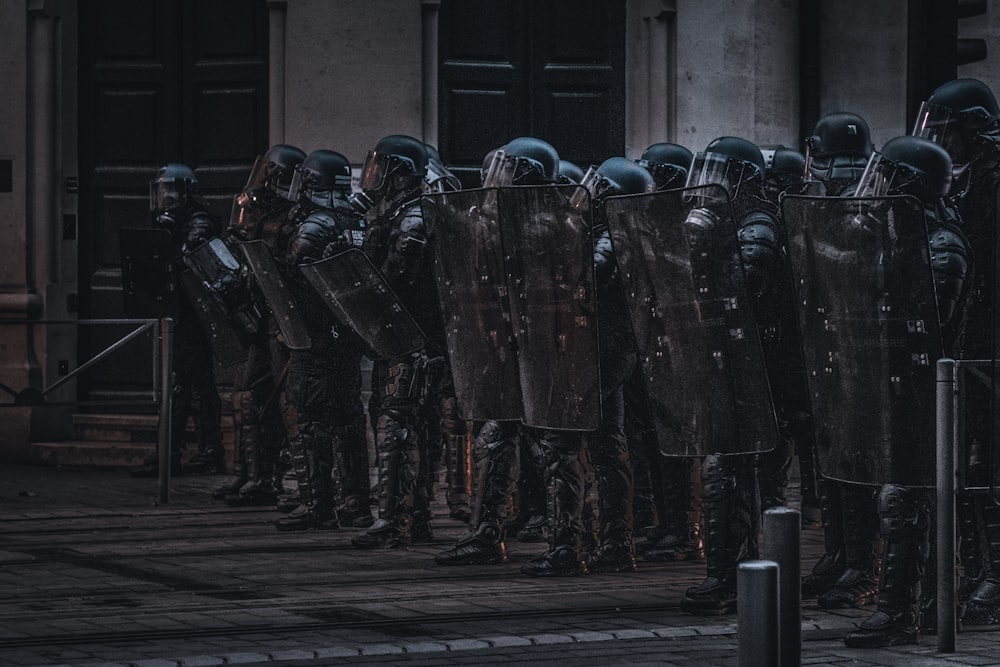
[166, 81]
[550, 69]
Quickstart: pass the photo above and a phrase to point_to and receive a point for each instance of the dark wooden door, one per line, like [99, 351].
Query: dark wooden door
[551, 69]
[160, 81]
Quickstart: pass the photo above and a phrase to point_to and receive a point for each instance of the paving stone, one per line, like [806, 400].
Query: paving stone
[201, 661]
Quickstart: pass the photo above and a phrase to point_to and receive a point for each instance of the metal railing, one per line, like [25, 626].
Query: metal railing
[161, 332]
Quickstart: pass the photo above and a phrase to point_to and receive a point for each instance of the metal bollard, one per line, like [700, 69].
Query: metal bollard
[757, 617]
[782, 526]
[166, 407]
[946, 594]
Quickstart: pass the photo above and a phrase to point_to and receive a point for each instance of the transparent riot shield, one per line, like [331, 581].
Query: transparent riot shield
[472, 289]
[279, 298]
[870, 334]
[548, 250]
[360, 298]
[149, 279]
[699, 349]
[221, 300]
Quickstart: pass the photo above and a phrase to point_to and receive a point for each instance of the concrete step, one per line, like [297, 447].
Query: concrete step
[119, 440]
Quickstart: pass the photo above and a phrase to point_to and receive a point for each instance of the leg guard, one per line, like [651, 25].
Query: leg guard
[731, 509]
[355, 483]
[240, 476]
[904, 519]
[314, 464]
[533, 521]
[564, 482]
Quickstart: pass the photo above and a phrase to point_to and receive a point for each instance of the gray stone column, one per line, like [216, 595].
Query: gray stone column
[429, 70]
[651, 71]
[276, 10]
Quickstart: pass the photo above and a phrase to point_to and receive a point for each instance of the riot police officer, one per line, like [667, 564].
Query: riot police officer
[258, 213]
[847, 574]
[397, 242]
[730, 495]
[963, 117]
[177, 207]
[918, 167]
[667, 490]
[507, 455]
[323, 386]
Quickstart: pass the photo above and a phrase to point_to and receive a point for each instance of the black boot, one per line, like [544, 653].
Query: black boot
[496, 451]
[259, 490]
[832, 563]
[678, 535]
[730, 507]
[615, 551]
[858, 585]
[399, 468]
[482, 547]
[313, 463]
[565, 481]
[903, 514]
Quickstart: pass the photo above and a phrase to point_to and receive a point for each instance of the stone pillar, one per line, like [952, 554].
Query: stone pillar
[429, 69]
[651, 74]
[276, 10]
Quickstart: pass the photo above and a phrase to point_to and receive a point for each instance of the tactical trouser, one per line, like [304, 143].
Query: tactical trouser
[457, 446]
[194, 376]
[609, 455]
[731, 510]
[677, 536]
[531, 501]
[398, 431]
[643, 452]
[904, 515]
[772, 473]
[564, 482]
[323, 392]
[831, 564]
[258, 418]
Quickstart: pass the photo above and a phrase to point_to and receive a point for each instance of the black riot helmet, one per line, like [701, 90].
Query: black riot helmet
[786, 168]
[667, 163]
[525, 161]
[570, 173]
[280, 162]
[730, 162]
[322, 176]
[617, 176]
[955, 113]
[395, 157]
[173, 188]
[839, 147]
[907, 165]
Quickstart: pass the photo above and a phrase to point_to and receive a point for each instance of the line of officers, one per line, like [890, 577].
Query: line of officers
[634, 349]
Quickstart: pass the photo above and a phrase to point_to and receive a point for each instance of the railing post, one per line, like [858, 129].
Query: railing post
[946, 398]
[782, 526]
[757, 615]
[166, 406]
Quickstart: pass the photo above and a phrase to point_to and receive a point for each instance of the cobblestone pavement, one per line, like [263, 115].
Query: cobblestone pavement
[94, 572]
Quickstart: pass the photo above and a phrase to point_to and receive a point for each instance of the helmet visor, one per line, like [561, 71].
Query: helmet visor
[884, 177]
[720, 169]
[167, 194]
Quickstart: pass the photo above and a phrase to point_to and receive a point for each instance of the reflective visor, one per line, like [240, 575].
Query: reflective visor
[375, 171]
[881, 176]
[167, 194]
[935, 123]
[719, 169]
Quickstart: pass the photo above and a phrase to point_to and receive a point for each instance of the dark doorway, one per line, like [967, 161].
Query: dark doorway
[551, 69]
[164, 81]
